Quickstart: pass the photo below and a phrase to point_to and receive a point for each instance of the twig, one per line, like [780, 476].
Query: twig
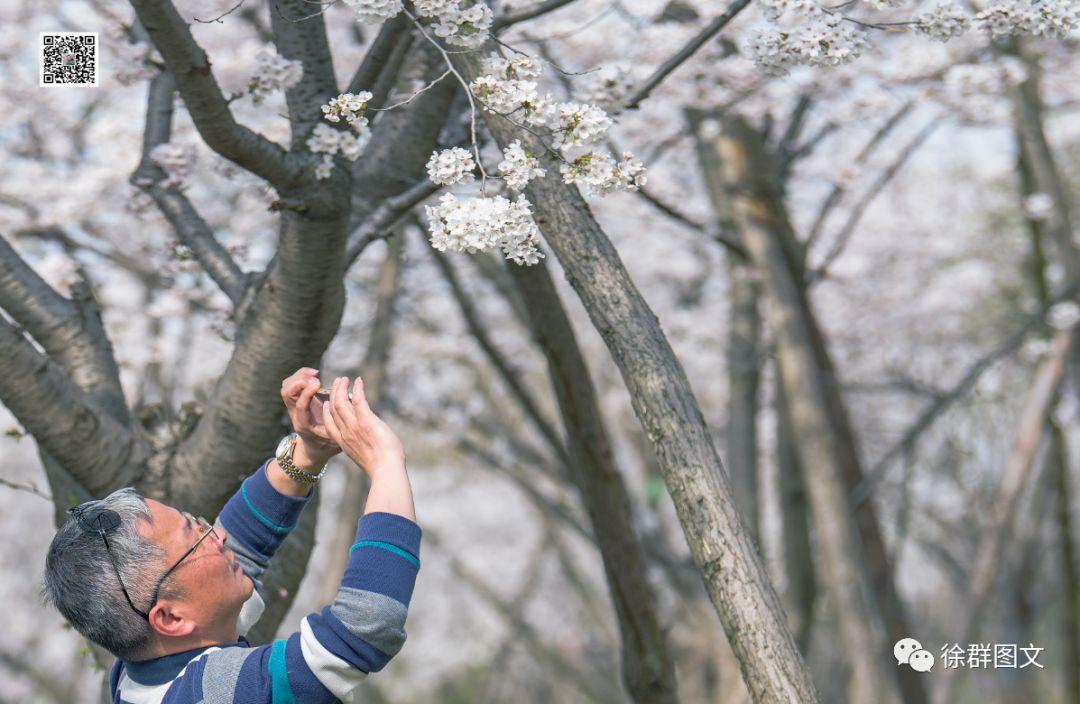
[413, 96]
[468, 94]
[218, 18]
[683, 54]
[32, 488]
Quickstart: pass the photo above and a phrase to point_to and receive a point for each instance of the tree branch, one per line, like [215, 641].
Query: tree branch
[967, 382]
[189, 226]
[304, 40]
[527, 13]
[381, 223]
[683, 54]
[70, 330]
[874, 191]
[511, 377]
[202, 95]
[96, 449]
[377, 58]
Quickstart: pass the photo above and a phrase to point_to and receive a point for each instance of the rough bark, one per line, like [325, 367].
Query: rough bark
[648, 670]
[719, 540]
[825, 439]
[1016, 474]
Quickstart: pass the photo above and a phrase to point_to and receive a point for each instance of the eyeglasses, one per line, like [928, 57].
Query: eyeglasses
[95, 519]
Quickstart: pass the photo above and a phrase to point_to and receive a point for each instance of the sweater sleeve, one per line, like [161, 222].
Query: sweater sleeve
[329, 657]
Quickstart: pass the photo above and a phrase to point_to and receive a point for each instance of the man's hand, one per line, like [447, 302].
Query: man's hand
[362, 435]
[307, 414]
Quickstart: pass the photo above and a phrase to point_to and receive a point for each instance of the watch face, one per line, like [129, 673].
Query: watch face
[282, 446]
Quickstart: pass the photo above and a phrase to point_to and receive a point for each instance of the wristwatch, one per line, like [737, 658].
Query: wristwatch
[283, 454]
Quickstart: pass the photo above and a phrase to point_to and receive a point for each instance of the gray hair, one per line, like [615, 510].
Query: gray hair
[81, 583]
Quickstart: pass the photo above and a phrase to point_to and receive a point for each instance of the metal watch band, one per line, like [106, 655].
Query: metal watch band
[290, 469]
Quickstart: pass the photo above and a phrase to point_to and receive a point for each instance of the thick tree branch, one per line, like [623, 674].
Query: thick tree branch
[70, 330]
[189, 226]
[377, 58]
[203, 97]
[65, 422]
[304, 40]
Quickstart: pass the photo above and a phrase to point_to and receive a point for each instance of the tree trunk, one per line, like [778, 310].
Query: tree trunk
[825, 441]
[647, 667]
[1014, 477]
[798, 564]
[744, 362]
[1070, 580]
[719, 540]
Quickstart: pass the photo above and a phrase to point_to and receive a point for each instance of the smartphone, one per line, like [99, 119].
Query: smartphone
[324, 395]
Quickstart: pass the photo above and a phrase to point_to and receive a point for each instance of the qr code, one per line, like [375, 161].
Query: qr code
[69, 59]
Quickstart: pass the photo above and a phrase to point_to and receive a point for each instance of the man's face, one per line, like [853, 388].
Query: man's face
[211, 577]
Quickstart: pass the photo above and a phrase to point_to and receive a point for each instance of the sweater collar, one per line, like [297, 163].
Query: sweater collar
[167, 667]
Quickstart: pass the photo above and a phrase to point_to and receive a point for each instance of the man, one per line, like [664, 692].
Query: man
[173, 597]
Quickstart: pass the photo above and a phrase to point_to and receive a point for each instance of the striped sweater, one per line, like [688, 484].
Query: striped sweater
[331, 654]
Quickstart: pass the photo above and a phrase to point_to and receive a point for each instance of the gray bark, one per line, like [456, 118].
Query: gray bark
[648, 670]
[719, 540]
[825, 440]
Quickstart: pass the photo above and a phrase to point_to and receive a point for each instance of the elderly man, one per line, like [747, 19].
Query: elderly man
[172, 597]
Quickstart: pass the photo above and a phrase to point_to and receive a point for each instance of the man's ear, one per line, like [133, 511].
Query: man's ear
[169, 619]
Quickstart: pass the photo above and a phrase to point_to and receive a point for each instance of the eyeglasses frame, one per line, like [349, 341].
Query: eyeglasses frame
[112, 519]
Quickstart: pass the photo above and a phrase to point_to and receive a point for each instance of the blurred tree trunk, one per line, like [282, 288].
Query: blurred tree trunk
[373, 371]
[744, 371]
[719, 540]
[647, 667]
[801, 590]
[1059, 455]
[739, 167]
[1016, 474]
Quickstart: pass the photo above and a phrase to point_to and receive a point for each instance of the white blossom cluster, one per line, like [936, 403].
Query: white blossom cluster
[944, 22]
[175, 160]
[1043, 18]
[466, 27]
[273, 73]
[459, 22]
[328, 141]
[480, 224]
[451, 166]
[350, 108]
[375, 11]
[601, 174]
[519, 166]
[823, 40]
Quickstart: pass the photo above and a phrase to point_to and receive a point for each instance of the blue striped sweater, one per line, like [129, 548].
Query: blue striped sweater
[334, 650]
